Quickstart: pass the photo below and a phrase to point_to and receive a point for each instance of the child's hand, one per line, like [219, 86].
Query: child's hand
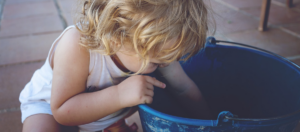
[137, 89]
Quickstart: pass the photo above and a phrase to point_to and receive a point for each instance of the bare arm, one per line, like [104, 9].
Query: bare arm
[71, 106]
[185, 91]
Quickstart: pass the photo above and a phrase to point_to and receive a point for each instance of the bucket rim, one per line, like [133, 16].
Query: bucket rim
[264, 119]
[177, 119]
[206, 122]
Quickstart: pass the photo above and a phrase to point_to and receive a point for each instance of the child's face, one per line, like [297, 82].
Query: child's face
[132, 62]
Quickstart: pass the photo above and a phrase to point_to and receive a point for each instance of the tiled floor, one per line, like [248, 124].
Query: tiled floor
[238, 21]
[28, 27]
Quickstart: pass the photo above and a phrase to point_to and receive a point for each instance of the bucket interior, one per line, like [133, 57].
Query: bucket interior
[247, 82]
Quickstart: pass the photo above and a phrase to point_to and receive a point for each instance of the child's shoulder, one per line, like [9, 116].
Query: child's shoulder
[69, 48]
[70, 39]
[71, 34]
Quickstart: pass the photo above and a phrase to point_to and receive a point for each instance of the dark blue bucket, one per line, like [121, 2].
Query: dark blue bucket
[247, 89]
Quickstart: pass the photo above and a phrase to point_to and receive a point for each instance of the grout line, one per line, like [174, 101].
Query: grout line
[278, 3]
[258, 19]
[10, 110]
[30, 16]
[290, 32]
[21, 63]
[228, 5]
[284, 5]
[63, 20]
[237, 9]
[32, 34]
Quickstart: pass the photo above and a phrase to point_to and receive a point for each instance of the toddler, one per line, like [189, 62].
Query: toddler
[94, 74]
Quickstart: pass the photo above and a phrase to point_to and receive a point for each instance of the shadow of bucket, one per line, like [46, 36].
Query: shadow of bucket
[247, 89]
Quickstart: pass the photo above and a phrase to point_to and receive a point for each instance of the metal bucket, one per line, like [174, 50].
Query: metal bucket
[247, 89]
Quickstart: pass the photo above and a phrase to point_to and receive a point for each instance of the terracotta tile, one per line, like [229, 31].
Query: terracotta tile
[30, 25]
[215, 6]
[25, 48]
[12, 81]
[278, 14]
[229, 21]
[69, 9]
[273, 40]
[28, 9]
[220, 37]
[295, 5]
[243, 3]
[8, 2]
[283, 1]
[11, 122]
[69, 18]
[295, 28]
[68, 6]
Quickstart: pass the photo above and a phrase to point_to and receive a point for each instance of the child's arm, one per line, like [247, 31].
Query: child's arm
[70, 105]
[185, 91]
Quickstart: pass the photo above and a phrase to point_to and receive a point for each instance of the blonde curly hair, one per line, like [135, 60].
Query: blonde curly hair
[145, 26]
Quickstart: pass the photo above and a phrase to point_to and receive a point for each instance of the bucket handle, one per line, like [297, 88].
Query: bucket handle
[223, 118]
[213, 41]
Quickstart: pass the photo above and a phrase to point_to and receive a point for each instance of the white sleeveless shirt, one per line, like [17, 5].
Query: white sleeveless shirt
[102, 73]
